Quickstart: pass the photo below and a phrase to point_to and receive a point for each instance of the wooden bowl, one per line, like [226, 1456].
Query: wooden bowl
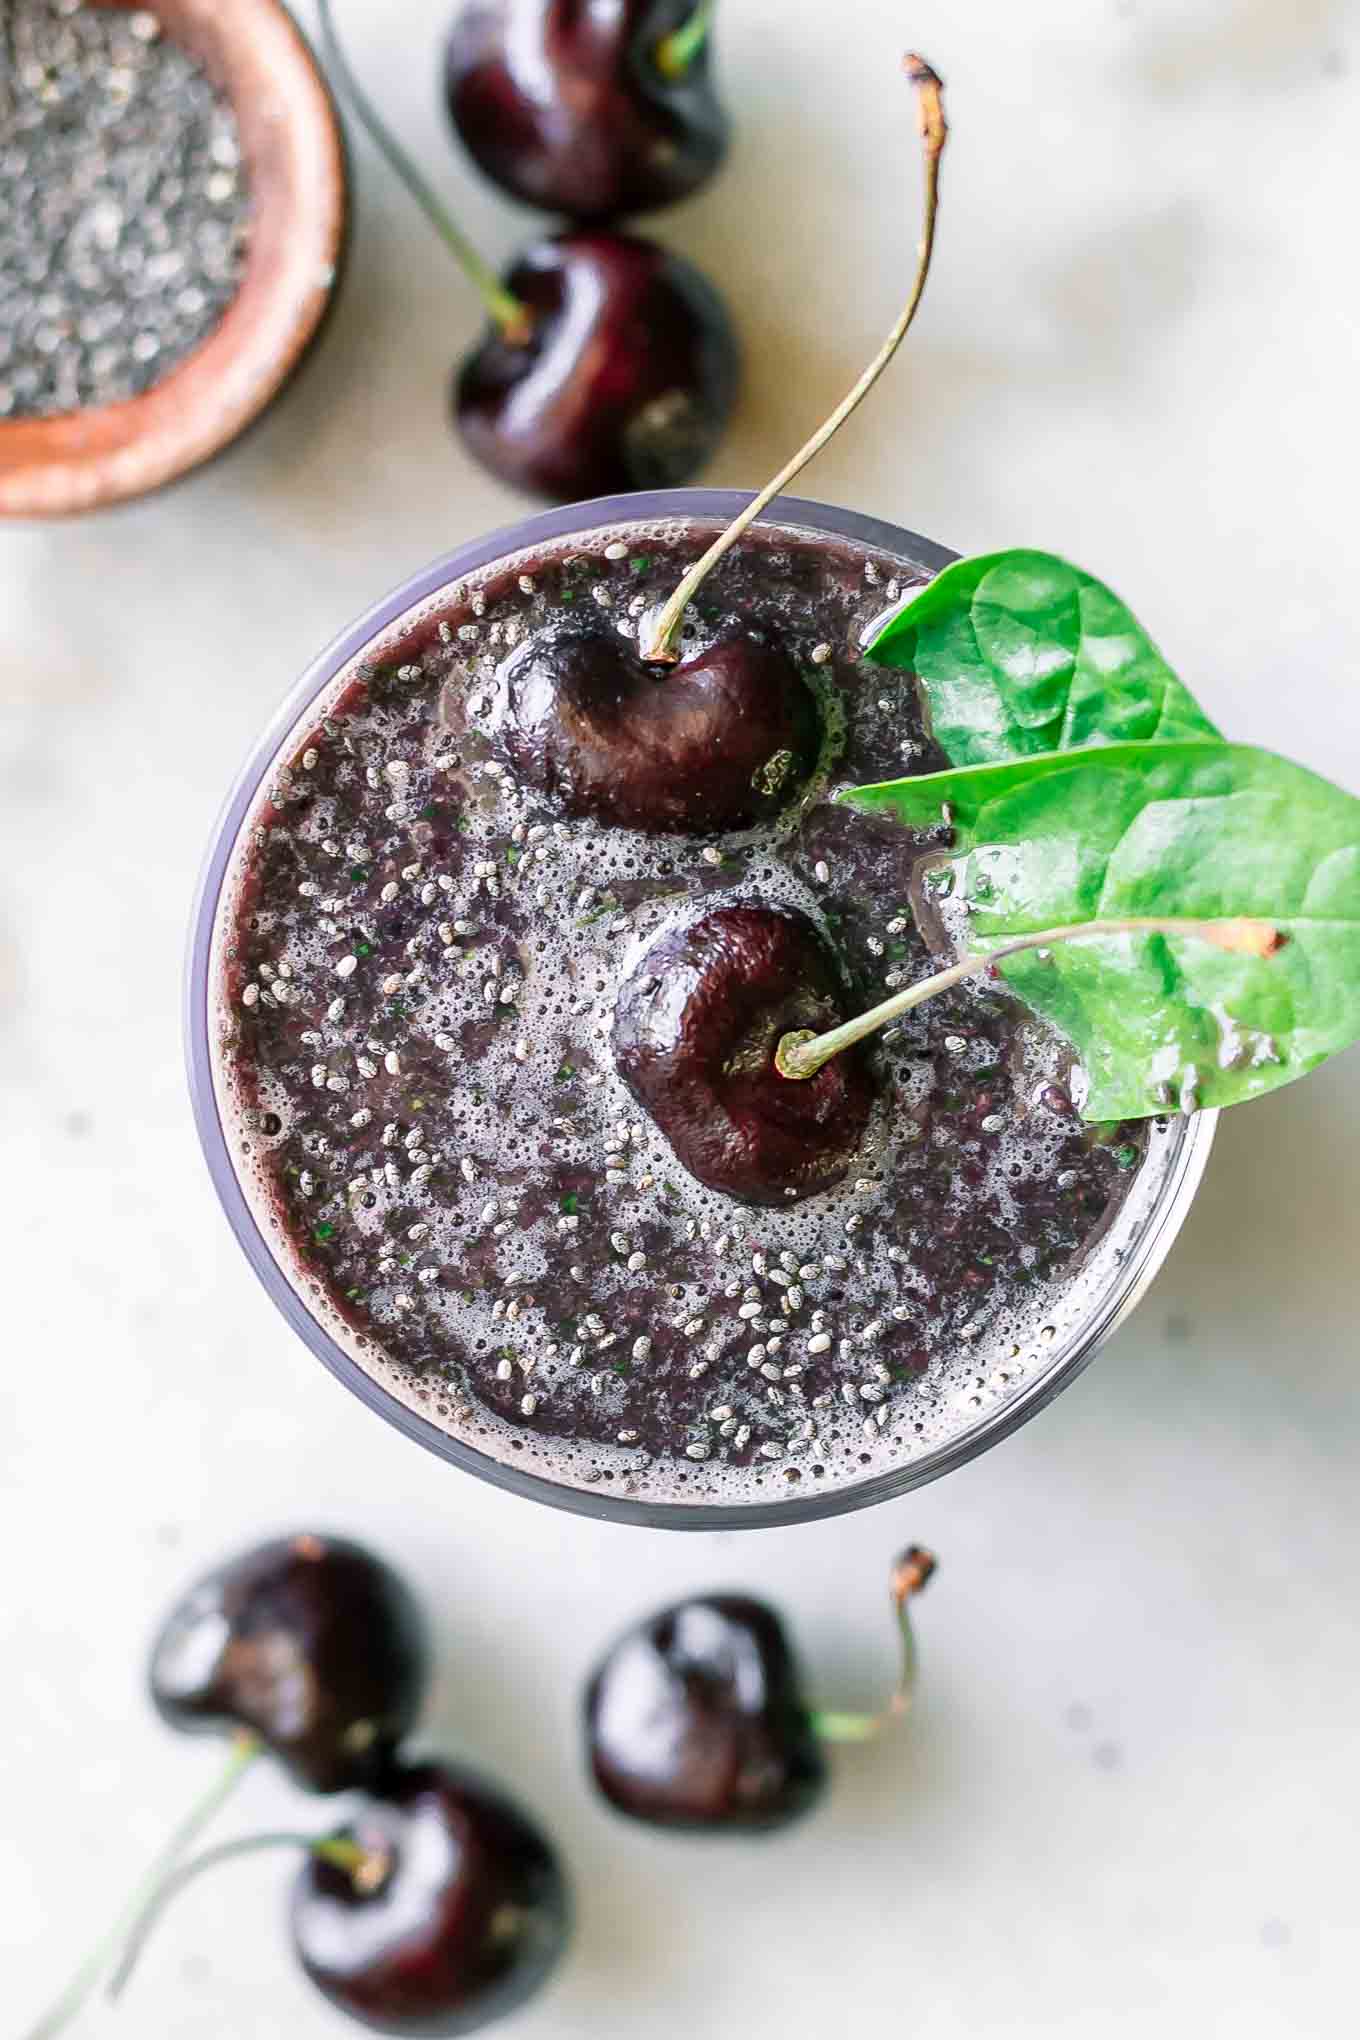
[294, 155]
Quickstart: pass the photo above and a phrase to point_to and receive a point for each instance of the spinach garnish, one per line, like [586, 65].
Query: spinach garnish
[1185, 910]
[1018, 652]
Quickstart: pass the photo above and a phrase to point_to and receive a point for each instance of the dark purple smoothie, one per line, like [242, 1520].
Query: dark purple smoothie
[417, 967]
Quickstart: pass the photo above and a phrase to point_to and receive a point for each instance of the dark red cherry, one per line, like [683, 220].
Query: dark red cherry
[695, 1033]
[567, 105]
[626, 380]
[694, 1719]
[464, 1916]
[718, 741]
[312, 1644]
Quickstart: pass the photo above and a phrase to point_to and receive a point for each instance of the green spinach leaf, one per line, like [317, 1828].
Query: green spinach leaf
[1019, 653]
[1179, 832]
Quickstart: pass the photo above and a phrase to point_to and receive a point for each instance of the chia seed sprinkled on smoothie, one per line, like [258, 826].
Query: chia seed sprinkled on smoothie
[483, 1199]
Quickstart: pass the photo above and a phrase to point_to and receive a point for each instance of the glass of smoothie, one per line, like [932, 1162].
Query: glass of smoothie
[403, 989]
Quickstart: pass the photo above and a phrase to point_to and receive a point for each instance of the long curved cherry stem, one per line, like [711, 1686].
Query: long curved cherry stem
[660, 647]
[513, 317]
[245, 1749]
[801, 1054]
[366, 1867]
[910, 1571]
[677, 51]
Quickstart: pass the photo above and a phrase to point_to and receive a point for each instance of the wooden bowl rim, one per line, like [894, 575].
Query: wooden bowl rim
[293, 145]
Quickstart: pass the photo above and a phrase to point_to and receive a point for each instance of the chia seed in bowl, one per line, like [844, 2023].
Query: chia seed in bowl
[407, 1012]
[124, 209]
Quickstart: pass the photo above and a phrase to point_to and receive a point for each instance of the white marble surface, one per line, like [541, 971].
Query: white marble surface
[1128, 1802]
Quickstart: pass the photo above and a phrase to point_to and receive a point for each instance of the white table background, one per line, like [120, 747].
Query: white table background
[1128, 1801]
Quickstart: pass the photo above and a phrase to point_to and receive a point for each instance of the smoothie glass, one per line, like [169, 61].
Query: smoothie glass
[1116, 1271]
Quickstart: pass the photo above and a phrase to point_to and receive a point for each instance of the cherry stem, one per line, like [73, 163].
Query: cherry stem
[367, 1869]
[677, 51]
[512, 316]
[245, 1749]
[661, 648]
[802, 1054]
[911, 1569]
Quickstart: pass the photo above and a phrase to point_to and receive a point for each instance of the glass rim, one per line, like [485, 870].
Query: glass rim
[1184, 1166]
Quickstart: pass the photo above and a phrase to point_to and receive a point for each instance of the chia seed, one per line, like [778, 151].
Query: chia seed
[124, 209]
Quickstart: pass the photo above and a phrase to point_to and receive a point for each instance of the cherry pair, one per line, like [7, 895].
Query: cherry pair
[609, 364]
[439, 1898]
[438, 1904]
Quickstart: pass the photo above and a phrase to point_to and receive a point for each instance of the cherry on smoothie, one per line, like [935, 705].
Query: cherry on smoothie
[718, 741]
[621, 374]
[458, 1913]
[695, 1719]
[311, 1645]
[695, 1033]
[595, 110]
